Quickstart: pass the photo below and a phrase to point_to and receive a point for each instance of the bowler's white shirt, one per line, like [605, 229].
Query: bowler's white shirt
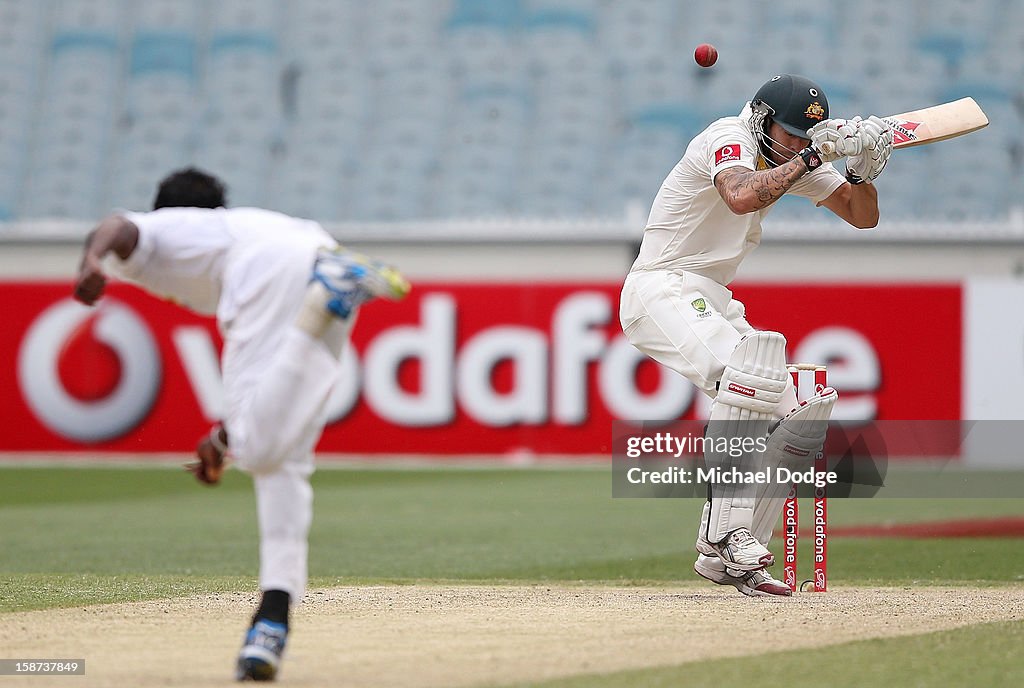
[216, 261]
[691, 229]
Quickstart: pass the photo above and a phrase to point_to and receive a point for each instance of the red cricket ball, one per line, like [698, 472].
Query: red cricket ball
[705, 55]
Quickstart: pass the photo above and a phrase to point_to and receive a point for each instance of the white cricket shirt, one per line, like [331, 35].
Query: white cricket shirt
[216, 261]
[690, 228]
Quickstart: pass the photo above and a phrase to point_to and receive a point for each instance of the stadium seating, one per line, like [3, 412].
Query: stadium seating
[406, 109]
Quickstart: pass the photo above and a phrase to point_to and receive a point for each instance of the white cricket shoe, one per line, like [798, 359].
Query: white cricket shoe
[758, 583]
[739, 551]
[352, 279]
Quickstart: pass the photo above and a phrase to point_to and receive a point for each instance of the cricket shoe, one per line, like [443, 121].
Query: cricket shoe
[758, 583]
[260, 657]
[352, 279]
[739, 551]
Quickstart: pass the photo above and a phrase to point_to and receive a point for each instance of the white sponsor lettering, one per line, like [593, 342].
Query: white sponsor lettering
[433, 343]
[526, 349]
[198, 354]
[548, 362]
[617, 383]
[576, 344]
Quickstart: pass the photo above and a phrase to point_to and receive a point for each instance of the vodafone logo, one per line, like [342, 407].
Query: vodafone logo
[554, 363]
[727, 153]
[96, 401]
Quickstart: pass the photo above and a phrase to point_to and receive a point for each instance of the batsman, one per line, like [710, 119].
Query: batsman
[676, 306]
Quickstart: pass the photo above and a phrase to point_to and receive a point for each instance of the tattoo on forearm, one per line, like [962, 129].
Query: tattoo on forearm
[766, 185]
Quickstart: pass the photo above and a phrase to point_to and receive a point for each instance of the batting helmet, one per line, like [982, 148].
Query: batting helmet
[795, 102]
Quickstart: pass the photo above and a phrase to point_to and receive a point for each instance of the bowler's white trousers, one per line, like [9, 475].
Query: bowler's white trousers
[277, 380]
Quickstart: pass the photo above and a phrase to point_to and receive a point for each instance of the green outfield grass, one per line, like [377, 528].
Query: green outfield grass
[71, 536]
[983, 655]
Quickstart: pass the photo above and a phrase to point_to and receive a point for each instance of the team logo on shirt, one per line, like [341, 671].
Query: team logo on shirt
[701, 306]
[727, 153]
[704, 309]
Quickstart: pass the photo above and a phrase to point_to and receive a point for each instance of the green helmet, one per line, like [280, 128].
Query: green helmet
[795, 102]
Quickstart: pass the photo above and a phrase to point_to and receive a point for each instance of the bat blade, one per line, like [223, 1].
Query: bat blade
[936, 123]
[932, 124]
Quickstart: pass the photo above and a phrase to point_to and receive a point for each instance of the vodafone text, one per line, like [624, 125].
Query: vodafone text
[562, 363]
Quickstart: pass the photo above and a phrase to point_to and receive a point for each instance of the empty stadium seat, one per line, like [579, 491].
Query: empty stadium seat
[399, 109]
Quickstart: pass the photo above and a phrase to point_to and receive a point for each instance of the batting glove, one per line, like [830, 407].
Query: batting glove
[876, 142]
[836, 138]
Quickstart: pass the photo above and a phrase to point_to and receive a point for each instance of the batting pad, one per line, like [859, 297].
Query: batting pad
[748, 394]
[792, 445]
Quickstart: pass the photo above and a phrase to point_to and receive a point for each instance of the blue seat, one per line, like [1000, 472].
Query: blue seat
[500, 14]
[231, 41]
[160, 51]
[75, 41]
[554, 18]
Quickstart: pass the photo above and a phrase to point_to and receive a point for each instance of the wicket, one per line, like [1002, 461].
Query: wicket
[791, 512]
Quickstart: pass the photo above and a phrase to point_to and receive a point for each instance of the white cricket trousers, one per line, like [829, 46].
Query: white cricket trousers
[277, 380]
[688, 323]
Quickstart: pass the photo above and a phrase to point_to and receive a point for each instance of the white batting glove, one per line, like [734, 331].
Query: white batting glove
[873, 130]
[836, 138]
[876, 142]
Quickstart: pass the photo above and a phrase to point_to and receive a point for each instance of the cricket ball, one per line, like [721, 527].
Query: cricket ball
[705, 55]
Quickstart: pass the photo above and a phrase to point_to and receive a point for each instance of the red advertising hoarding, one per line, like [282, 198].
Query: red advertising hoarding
[456, 368]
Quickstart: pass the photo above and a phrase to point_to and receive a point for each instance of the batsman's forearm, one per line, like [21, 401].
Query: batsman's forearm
[114, 233]
[745, 191]
[864, 205]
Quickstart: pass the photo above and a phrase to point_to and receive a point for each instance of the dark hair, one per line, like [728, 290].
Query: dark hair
[190, 188]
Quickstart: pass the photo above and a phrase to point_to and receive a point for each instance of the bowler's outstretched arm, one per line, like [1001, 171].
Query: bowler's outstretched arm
[114, 233]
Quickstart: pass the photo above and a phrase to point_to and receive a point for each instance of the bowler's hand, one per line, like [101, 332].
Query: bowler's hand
[210, 466]
[90, 281]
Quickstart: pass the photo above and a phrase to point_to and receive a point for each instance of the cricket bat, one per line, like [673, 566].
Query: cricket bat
[936, 123]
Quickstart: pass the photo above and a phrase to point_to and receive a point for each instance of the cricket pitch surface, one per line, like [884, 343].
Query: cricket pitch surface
[466, 635]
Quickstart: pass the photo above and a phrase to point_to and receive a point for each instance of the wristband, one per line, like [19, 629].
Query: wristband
[854, 179]
[811, 158]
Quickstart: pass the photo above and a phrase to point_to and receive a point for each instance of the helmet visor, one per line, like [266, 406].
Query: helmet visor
[790, 129]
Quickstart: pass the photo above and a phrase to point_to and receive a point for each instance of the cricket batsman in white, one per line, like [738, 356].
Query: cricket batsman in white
[676, 306]
[285, 295]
